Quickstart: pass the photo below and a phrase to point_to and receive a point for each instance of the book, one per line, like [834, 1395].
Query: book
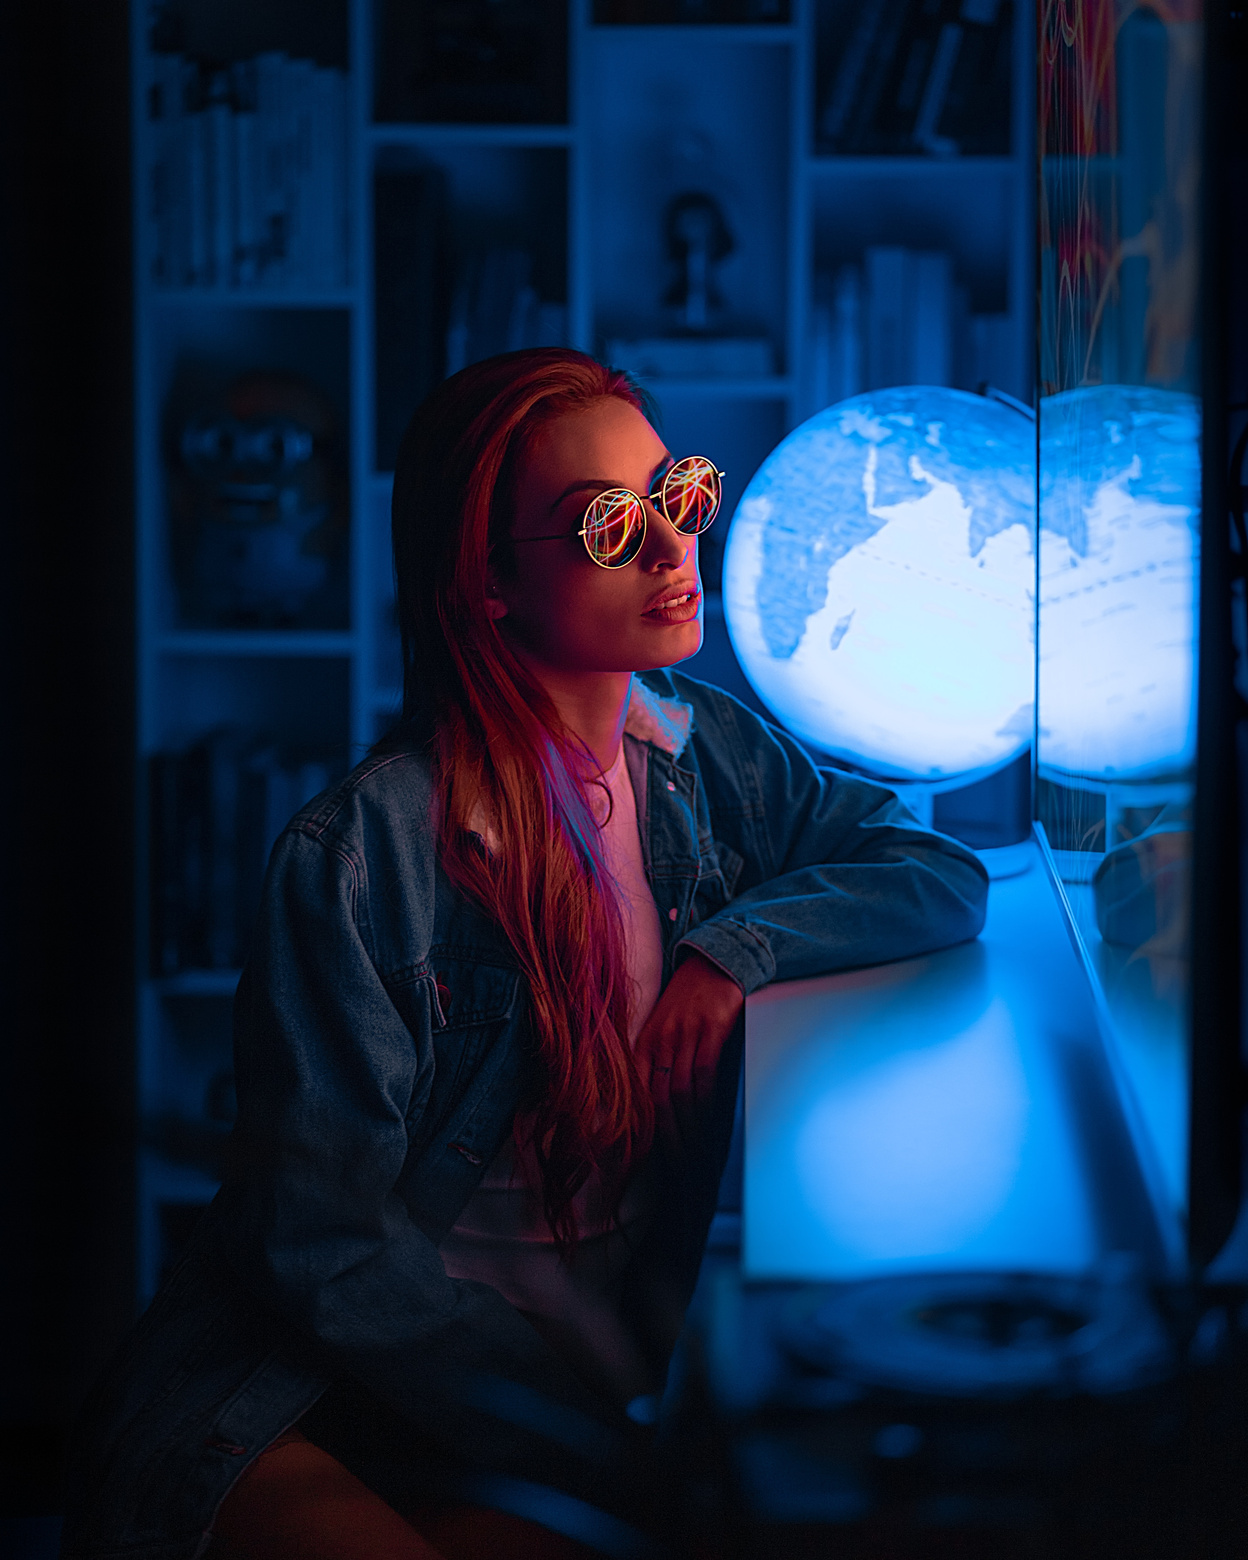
[911, 313]
[930, 321]
[925, 76]
[217, 808]
[248, 174]
[888, 278]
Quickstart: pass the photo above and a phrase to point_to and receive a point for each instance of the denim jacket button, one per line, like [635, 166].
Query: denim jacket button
[671, 914]
[671, 785]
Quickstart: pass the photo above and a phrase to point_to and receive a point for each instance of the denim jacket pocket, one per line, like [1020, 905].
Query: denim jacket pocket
[719, 868]
[469, 1004]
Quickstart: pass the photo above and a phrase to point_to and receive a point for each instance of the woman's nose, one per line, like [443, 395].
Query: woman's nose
[665, 545]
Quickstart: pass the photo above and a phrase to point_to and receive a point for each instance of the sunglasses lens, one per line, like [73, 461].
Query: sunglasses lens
[691, 493]
[614, 527]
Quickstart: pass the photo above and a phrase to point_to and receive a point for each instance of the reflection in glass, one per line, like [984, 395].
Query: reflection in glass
[1118, 545]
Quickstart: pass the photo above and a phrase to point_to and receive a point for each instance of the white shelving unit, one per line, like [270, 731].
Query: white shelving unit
[652, 112]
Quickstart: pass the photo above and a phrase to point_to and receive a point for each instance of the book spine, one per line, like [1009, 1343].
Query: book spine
[273, 219]
[198, 195]
[848, 81]
[935, 91]
[163, 111]
[931, 328]
[247, 203]
[302, 190]
[322, 174]
[221, 168]
[847, 334]
[339, 243]
[888, 298]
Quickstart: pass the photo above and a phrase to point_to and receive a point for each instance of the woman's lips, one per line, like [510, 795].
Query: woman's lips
[676, 609]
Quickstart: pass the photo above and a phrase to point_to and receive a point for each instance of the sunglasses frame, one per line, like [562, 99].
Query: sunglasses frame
[657, 498]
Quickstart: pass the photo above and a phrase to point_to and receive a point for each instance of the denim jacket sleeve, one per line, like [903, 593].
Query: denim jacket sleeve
[836, 871]
[311, 1219]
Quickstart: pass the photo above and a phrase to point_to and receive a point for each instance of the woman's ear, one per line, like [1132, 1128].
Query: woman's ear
[495, 606]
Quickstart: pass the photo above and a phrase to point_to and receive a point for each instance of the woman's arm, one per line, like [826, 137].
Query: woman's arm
[837, 872]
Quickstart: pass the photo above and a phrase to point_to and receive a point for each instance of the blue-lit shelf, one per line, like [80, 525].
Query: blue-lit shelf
[253, 298]
[828, 165]
[197, 983]
[470, 135]
[683, 34]
[769, 387]
[229, 642]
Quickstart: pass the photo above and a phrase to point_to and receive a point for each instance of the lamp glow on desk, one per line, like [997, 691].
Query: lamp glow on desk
[953, 1112]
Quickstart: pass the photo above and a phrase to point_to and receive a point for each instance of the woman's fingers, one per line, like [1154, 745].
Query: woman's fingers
[680, 1045]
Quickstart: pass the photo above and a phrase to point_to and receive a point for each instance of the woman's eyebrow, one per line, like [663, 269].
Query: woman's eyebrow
[589, 482]
[602, 484]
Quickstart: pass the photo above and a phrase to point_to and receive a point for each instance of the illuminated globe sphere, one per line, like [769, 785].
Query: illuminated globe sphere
[879, 582]
[1119, 512]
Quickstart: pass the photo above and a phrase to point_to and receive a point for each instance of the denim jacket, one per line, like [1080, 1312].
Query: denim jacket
[382, 1047]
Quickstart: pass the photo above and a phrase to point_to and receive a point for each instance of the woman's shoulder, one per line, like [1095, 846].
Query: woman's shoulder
[387, 796]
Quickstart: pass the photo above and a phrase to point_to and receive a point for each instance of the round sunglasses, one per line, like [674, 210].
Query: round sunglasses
[613, 526]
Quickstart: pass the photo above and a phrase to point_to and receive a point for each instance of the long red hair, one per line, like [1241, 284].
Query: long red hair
[500, 753]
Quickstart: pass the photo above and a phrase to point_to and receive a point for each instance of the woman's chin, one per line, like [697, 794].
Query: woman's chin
[680, 642]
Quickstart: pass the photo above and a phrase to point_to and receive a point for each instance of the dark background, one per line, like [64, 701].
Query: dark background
[66, 782]
[66, 600]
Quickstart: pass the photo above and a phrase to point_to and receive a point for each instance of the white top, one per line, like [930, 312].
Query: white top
[502, 1237]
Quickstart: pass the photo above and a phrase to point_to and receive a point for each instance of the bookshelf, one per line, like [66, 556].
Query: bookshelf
[556, 218]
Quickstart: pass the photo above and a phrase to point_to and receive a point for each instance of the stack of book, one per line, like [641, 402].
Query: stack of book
[495, 308]
[436, 311]
[217, 808]
[248, 174]
[902, 319]
[926, 77]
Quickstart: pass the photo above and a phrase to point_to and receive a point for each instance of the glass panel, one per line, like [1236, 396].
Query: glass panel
[1119, 466]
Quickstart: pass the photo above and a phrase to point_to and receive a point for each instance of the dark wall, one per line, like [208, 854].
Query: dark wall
[66, 598]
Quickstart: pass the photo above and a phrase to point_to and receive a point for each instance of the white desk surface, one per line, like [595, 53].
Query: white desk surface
[956, 1111]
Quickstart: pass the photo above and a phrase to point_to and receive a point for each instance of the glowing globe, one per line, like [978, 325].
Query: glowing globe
[1119, 512]
[879, 582]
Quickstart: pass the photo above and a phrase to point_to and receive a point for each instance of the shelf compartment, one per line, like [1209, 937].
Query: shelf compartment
[970, 219]
[903, 76]
[197, 983]
[262, 642]
[267, 570]
[772, 388]
[300, 699]
[679, 34]
[477, 61]
[422, 135]
[470, 259]
[829, 166]
[258, 298]
[675, 134]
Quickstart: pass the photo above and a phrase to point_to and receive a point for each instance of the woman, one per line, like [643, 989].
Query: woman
[487, 1039]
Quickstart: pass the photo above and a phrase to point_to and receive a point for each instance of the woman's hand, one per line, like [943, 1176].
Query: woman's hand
[680, 1044]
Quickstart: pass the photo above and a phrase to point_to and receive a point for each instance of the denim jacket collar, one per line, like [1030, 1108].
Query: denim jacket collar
[667, 723]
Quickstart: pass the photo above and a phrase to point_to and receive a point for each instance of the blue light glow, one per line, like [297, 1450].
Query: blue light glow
[878, 582]
[1119, 511]
[947, 1113]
